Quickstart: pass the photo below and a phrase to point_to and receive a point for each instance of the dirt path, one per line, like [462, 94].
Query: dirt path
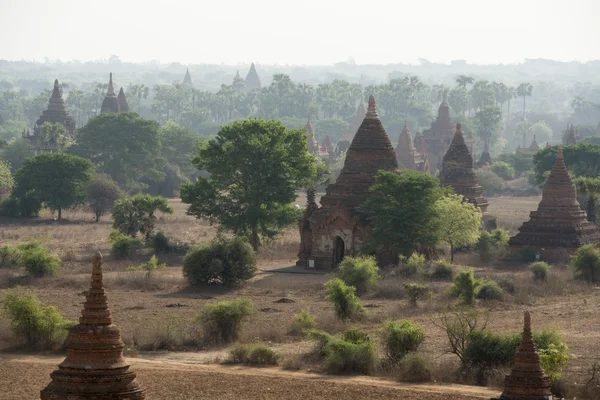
[176, 380]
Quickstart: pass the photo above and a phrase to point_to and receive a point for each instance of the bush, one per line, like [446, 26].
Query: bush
[161, 243]
[26, 206]
[149, 266]
[224, 261]
[441, 270]
[539, 270]
[253, 354]
[492, 184]
[303, 322]
[527, 254]
[360, 272]
[353, 352]
[36, 260]
[503, 170]
[465, 286]
[137, 214]
[9, 257]
[122, 246]
[415, 291]
[413, 265]
[492, 244]
[222, 321]
[101, 194]
[488, 289]
[553, 359]
[400, 338]
[413, 368]
[9, 207]
[586, 263]
[40, 327]
[347, 305]
[486, 352]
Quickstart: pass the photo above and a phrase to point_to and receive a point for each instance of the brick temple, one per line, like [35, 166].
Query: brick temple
[123, 105]
[311, 141]
[408, 156]
[486, 157]
[110, 104]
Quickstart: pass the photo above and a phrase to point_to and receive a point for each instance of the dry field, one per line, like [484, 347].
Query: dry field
[156, 315]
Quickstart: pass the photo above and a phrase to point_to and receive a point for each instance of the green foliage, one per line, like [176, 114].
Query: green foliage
[401, 208]
[255, 168]
[56, 179]
[492, 245]
[503, 170]
[303, 322]
[178, 146]
[137, 214]
[488, 289]
[415, 291]
[347, 305]
[16, 152]
[590, 188]
[400, 338]
[492, 184]
[6, 179]
[459, 222]
[354, 352]
[360, 272]
[9, 257]
[465, 286]
[489, 121]
[521, 162]
[413, 265]
[330, 126]
[253, 354]
[582, 160]
[36, 259]
[161, 243]
[540, 270]
[39, 327]
[222, 321]
[553, 359]
[122, 246]
[101, 194]
[149, 266]
[441, 270]
[413, 369]
[224, 261]
[586, 263]
[527, 254]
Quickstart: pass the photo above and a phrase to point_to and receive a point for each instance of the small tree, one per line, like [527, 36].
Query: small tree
[101, 194]
[400, 338]
[415, 291]
[137, 214]
[458, 327]
[347, 305]
[149, 266]
[465, 286]
[459, 222]
[6, 179]
[222, 320]
[360, 272]
[540, 270]
[503, 170]
[586, 263]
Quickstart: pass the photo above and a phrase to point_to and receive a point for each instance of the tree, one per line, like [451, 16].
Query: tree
[255, 168]
[6, 179]
[459, 222]
[489, 121]
[16, 152]
[101, 194]
[511, 93]
[589, 187]
[464, 80]
[178, 146]
[401, 208]
[56, 179]
[138, 214]
[458, 99]
[582, 159]
[524, 90]
[123, 146]
[53, 137]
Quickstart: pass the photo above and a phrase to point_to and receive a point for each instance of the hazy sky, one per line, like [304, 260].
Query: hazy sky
[300, 31]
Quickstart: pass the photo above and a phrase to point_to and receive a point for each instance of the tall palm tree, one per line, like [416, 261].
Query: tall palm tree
[464, 80]
[524, 89]
[511, 93]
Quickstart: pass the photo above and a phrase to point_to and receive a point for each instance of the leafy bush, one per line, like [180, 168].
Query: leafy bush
[26, 206]
[222, 321]
[360, 272]
[9, 207]
[488, 289]
[137, 214]
[527, 254]
[586, 263]
[413, 368]
[503, 170]
[253, 354]
[9, 257]
[441, 270]
[101, 194]
[539, 270]
[36, 260]
[40, 327]
[492, 184]
[493, 244]
[413, 265]
[486, 352]
[149, 266]
[353, 352]
[553, 359]
[122, 246]
[415, 291]
[303, 322]
[465, 286]
[224, 261]
[400, 338]
[161, 243]
[347, 305]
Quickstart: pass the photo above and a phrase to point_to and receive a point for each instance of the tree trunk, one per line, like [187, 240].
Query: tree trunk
[254, 240]
[451, 253]
[507, 116]
[523, 107]
[59, 212]
[97, 217]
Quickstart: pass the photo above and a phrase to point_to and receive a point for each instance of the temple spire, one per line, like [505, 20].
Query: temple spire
[371, 109]
[110, 104]
[111, 89]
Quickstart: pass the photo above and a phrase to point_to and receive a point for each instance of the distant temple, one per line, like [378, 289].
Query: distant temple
[458, 172]
[533, 147]
[408, 156]
[486, 157]
[313, 145]
[123, 106]
[339, 227]
[187, 79]
[110, 104]
[344, 143]
[252, 80]
[326, 149]
[571, 136]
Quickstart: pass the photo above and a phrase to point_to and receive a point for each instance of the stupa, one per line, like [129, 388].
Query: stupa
[94, 367]
[346, 139]
[559, 225]
[526, 380]
[110, 104]
[458, 173]
[439, 136]
[123, 106]
[570, 137]
[338, 227]
[326, 149]
[187, 79]
[408, 156]
[313, 146]
[485, 158]
[252, 80]
[533, 147]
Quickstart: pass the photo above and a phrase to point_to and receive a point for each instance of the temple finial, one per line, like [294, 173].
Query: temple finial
[371, 109]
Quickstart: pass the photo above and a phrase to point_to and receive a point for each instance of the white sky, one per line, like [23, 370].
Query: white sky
[300, 31]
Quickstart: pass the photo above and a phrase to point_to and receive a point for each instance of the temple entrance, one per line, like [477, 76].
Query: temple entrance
[338, 251]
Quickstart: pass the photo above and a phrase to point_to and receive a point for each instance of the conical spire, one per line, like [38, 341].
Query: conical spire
[559, 189]
[371, 109]
[534, 145]
[110, 104]
[187, 79]
[313, 146]
[486, 157]
[123, 105]
[55, 113]
[252, 79]
[111, 89]
[95, 309]
[408, 156]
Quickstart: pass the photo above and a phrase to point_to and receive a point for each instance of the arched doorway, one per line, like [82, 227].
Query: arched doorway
[338, 251]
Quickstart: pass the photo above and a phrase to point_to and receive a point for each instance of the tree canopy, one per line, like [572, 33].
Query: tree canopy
[582, 159]
[459, 222]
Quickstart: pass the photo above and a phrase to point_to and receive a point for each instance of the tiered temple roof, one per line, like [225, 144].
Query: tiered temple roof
[438, 137]
[123, 106]
[252, 79]
[313, 145]
[526, 379]
[56, 113]
[326, 147]
[408, 156]
[110, 104]
[486, 158]
[559, 225]
[570, 136]
[458, 172]
[187, 79]
[94, 367]
[357, 120]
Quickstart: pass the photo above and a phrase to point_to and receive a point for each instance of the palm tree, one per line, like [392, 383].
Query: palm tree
[464, 80]
[589, 187]
[511, 93]
[524, 89]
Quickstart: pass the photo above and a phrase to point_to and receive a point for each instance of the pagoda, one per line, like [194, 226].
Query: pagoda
[123, 106]
[55, 113]
[313, 145]
[326, 149]
[252, 80]
[458, 172]
[533, 147]
[408, 156]
[486, 158]
[94, 367]
[339, 227]
[110, 104]
[570, 136]
[344, 142]
[559, 225]
[526, 379]
[439, 136]
[187, 79]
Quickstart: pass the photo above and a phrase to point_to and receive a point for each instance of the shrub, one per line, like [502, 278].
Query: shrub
[9, 207]
[441, 270]
[253, 354]
[465, 286]
[26, 206]
[492, 184]
[101, 194]
[303, 322]
[122, 246]
[360, 272]
[224, 261]
[400, 338]
[415, 291]
[347, 305]
[553, 359]
[36, 260]
[539, 270]
[149, 266]
[222, 321]
[40, 327]
[586, 263]
[413, 265]
[488, 289]
[503, 170]
[486, 352]
[137, 214]
[353, 352]
[161, 243]
[9, 256]
[527, 254]
[492, 244]
[413, 368]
